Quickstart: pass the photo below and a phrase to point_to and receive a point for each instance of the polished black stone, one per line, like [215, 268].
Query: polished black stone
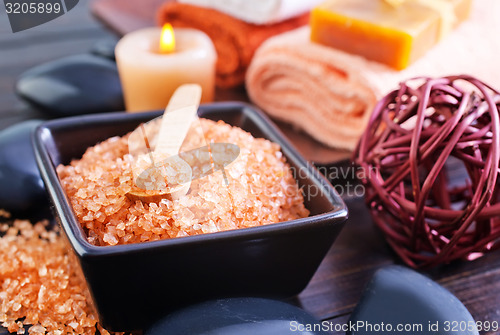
[239, 316]
[21, 187]
[105, 48]
[74, 85]
[400, 296]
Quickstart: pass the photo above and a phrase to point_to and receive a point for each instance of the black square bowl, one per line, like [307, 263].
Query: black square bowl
[132, 285]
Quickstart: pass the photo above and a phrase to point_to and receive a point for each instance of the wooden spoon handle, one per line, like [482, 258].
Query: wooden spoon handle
[177, 118]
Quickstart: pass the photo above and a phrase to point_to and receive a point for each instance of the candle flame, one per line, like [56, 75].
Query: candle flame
[167, 39]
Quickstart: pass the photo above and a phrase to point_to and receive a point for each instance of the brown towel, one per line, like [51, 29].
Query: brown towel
[330, 94]
[234, 40]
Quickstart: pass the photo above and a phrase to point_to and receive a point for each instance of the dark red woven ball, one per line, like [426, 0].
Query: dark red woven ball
[430, 157]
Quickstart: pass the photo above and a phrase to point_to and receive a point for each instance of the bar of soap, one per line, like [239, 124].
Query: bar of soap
[394, 35]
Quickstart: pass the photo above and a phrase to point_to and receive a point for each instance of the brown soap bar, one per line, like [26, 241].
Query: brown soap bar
[395, 35]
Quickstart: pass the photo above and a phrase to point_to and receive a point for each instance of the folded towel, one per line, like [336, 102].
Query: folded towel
[329, 93]
[258, 11]
[235, 41]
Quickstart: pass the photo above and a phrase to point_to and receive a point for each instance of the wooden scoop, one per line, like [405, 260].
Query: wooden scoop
[162, 174]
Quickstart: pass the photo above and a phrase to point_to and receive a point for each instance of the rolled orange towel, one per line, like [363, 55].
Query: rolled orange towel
[234, 40]
[330, 94]
[303, 83]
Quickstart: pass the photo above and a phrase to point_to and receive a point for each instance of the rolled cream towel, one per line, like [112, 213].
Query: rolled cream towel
[258, 11]
[235, 41]
[330, 94]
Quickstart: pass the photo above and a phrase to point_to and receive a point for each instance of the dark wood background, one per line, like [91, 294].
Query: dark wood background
[360, 249]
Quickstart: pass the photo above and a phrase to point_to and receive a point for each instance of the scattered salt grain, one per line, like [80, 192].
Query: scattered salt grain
[41, 284]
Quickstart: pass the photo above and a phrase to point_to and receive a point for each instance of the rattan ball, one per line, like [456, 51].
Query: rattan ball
[430, 161]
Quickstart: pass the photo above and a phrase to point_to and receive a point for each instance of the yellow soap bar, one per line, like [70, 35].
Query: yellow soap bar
[374, 29]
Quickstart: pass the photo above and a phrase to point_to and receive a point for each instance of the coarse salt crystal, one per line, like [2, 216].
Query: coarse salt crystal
[110, 239]
[36, 329]
[73, 325]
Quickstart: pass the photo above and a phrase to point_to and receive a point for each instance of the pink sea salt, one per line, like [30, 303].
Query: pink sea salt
[40, 283]
[260, 190]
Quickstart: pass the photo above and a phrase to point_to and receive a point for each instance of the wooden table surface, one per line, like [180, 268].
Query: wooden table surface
[358, 252]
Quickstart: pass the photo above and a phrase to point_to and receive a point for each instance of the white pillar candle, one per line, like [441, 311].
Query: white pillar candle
[149, 77]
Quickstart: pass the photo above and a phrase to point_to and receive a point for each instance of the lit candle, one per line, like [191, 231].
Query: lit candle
[152, 64]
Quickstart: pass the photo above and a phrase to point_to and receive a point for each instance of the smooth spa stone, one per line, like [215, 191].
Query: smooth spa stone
[73, 85]
[105, 48]
[238, 316]
[399, 296]
[21, 187]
